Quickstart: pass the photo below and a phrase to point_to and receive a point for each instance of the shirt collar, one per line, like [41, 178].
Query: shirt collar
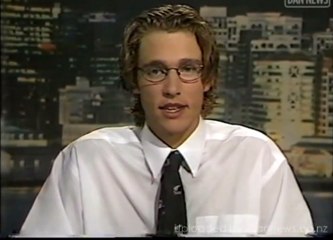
[156, 151]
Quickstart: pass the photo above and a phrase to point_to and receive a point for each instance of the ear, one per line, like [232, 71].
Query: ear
[207, 87]
[136, 91]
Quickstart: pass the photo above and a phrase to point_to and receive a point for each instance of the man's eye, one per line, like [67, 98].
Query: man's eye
[154, 71]
[189, 68]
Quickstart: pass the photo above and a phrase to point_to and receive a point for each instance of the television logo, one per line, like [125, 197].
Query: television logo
[307, 3]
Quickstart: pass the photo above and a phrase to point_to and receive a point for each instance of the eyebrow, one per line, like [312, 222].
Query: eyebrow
[182, 61]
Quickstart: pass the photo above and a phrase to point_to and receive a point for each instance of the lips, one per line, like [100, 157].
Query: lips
[172, 110]
[172, 106]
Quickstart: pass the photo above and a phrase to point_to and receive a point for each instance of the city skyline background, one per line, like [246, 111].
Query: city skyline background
[60, 80]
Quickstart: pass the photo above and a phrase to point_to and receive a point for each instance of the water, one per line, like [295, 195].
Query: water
[321, 206]
[16, 202]
[15, 205]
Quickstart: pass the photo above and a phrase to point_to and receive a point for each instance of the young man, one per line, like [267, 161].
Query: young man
[116, 181]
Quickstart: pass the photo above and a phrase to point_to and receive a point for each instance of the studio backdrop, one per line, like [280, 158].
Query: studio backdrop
[60, 80]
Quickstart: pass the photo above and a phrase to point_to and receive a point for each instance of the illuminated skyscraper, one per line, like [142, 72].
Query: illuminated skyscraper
[325, 93]
[283, 98]
[29, 93]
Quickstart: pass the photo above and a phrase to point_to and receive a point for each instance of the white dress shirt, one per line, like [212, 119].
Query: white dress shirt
[106, 184]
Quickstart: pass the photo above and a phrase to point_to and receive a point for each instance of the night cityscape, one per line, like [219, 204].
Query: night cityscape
[60, 80]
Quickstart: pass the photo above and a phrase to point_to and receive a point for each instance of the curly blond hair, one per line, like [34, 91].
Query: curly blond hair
[170, 18]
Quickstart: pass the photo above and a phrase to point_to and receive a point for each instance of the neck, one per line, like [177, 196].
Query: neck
[174, 140]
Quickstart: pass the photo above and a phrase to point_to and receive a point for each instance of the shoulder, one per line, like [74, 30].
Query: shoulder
[111, 137]
[222, 130]
[105, 141]
[242, 138]
[125, 134]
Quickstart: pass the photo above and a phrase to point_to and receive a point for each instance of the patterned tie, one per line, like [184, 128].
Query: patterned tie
[172, 217]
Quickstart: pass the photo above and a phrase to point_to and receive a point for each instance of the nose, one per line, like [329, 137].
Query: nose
[172, 84]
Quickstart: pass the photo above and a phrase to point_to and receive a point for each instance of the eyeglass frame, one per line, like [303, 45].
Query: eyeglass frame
[166, 72]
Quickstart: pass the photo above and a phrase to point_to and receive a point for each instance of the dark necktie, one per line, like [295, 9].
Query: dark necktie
[172, 217]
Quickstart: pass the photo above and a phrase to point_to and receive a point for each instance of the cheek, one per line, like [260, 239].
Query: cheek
[196, 95]
[148, 99]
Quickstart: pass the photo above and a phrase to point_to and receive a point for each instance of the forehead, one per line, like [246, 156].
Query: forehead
[168, 47]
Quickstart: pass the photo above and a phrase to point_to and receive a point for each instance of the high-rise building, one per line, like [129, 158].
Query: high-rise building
[83, 108]
[28, 56]
[89, 46]
[268, 23]
[283, 98]
[325, 92]
[218, 112]
[322, 41]
[254, 36]
[76, 103]
[246, 38]
[217, 17]
[100, 31]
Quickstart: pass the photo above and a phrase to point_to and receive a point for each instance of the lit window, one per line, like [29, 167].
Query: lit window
[21, 163]
[36, 163]
[11, 164]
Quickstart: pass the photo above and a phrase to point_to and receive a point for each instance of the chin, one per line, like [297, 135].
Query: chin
[175, 127]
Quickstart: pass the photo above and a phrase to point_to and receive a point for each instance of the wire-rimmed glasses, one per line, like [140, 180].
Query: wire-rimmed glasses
[187, 73]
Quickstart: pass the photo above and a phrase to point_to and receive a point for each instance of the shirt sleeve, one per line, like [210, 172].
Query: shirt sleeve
[57, 209]
[284, 211]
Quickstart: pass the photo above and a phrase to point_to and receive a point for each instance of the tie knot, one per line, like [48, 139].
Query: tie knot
[174, 160]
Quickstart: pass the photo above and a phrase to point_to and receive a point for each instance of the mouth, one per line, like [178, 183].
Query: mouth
[172, 107]
[172, 110]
